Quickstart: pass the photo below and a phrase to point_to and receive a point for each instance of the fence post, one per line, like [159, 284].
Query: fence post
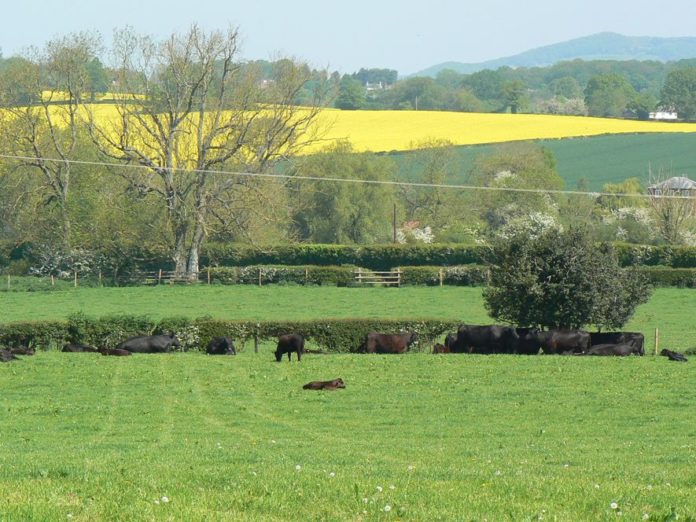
[306, 276]
[159, 276]
[256, 344]
[657, 340]
[208, 275]
[100, 278]
[441, 272]
[53, 280]
[75, 283]
[259, 276]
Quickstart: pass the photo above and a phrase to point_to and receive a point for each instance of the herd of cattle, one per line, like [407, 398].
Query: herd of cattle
[474, 339]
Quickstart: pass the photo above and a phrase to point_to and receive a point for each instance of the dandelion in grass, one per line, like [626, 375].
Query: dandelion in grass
[379, 488]
[392, 486]
[411, 467]
[156, 501]
[387, 508]
[298, 468]
[366, 500]
[165, 499]
[614, 505]
[332, 474]
[646, 516]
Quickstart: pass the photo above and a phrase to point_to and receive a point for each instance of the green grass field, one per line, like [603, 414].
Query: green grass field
[420, 437]
[597, 160]
[670, 310]
[413, 437]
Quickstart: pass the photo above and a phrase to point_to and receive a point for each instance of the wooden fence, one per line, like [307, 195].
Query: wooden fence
[374, 277]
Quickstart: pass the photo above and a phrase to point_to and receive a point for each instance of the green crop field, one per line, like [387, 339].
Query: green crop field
[412, 437]
[670, 310]
[597, 160]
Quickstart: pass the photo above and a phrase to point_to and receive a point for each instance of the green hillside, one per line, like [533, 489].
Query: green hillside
[598, 160]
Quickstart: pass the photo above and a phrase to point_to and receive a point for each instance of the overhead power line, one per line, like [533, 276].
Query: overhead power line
[344, 180]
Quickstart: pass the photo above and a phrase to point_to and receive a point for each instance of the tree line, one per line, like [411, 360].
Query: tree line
[601, 88]
[195, 136]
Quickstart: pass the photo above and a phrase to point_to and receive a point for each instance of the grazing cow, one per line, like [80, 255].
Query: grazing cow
[22, 350]
[635, 339]
[289, 343]
[149, 343]
[485, 339]
[559, 342]
[118, 352]
[620, 350]
[387, 343]
[673, 356]
[69, 347]
[441, 348]
[7, 356]
[221, 346]
[325, 385]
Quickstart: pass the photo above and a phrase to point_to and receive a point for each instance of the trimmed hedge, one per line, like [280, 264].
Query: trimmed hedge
[666, 276]
[336, 335]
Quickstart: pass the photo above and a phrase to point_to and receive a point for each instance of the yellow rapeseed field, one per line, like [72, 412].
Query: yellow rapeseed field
[402, 130]
[380, 131]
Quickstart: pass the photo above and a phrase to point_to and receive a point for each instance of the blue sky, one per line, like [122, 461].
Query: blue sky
[344, 36]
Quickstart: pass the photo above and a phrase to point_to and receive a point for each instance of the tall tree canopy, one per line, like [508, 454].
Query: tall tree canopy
[561, 280]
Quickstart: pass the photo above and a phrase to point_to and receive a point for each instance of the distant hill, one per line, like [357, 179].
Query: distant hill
[600, 46]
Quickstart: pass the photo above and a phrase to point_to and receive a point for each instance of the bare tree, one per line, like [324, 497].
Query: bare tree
[41, 96]
[673, 205]
[188, 109]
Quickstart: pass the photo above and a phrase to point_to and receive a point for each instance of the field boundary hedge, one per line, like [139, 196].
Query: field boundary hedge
[333, 335]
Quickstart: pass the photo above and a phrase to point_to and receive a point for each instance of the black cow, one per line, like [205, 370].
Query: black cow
[69, 347]
[289, 343]
[149, 343]
[450, 339]
[485, 339]
[673, 356]
[559, 342]
[118, 352]
[527, 344]
[221, 346]
[620, 350]
[22, 350]
[635, 339]
[325, 385]
[7, 356]
[387, 343]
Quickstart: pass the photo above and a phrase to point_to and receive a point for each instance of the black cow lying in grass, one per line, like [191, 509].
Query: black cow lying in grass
[22, 350]
[149, 343]
[289, 343]
[673, 356]
[221, 346]
[78, 348]
[7, 356]
[621, 350]
[118, 352]
[325, 385]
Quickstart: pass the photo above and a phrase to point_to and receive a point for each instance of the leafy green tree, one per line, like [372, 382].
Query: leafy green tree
[642, 105]
[418, 93]
[566, 87]
[679, 92]
[608, 95]
[344, 212]
[514, 95]
[508, 174]
[351, 94]
[561, 280]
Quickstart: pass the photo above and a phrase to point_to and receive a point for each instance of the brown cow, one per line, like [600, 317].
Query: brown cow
[387, 343]
[441, 348]
[7, 356]
[325, 385]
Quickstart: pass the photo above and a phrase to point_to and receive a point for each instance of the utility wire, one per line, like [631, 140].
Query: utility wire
[345, 180]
